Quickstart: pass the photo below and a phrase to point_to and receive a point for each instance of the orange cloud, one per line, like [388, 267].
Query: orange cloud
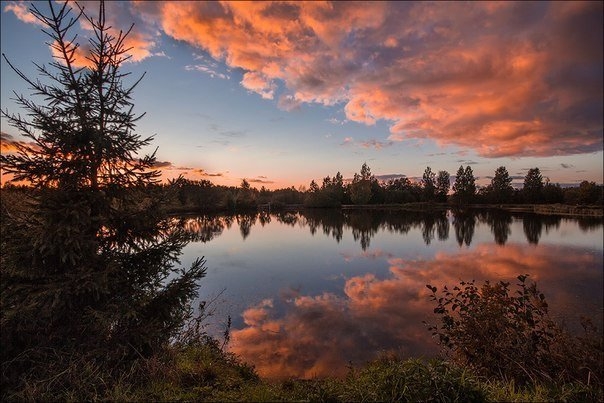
[140, 44]
[21, 11]
[319, 335]
[8, 144]
[475, 75]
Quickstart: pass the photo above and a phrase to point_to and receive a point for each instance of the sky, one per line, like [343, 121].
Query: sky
[281, 93]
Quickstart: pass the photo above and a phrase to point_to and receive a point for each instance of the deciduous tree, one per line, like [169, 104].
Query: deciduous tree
[464, 187]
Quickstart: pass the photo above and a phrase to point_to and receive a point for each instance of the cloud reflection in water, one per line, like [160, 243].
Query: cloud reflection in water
[306, 336]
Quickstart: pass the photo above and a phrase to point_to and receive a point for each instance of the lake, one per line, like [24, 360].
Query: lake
[312, 292]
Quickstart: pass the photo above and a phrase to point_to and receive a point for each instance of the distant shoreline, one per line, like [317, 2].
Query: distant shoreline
[541, 209]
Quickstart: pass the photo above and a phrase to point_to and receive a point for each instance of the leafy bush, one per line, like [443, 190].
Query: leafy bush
[510, 336]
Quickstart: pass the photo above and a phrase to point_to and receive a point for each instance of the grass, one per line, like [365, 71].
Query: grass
[203, 372]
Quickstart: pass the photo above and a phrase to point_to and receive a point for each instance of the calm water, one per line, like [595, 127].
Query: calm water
[310, 293]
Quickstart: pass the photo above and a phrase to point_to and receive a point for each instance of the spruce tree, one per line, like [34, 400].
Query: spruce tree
[442, 186]
[533, 186]
[502, 186]
[429, 184]
[88, 261]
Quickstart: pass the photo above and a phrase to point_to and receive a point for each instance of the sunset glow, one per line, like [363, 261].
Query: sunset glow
[282, 93]
[312, 337]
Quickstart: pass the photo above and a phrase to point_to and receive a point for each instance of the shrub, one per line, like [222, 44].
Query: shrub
[510, 336]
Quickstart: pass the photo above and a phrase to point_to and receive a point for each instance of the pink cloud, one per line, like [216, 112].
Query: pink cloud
[503, 79]
[21, 11]
[120, 16]
[259, 83]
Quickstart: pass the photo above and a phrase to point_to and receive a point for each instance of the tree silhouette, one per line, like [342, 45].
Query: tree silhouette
[533, 186]
[442, 226]
[464, 224]
[500, 223]
[88, 265]
[501, 186]
[465, 185]
[533, 227]
[360, 188]
[429, 184]
[443, 183]
[588, 193]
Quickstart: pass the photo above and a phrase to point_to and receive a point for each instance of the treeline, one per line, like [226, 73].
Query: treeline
[366, 189]
[440, 187]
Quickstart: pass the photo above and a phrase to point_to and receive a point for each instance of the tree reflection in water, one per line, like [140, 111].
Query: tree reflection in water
[464, 223]
[364, 225]
[287, 332]
[500, 222]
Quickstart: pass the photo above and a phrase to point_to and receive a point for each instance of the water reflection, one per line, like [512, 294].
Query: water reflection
[589, 223]
[318, 335]
[203, 228]
[464, 224]
[364, 225]
[500, 223]
[308, 308]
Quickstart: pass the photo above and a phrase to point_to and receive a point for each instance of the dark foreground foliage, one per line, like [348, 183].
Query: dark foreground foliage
[89, 259]
[508, 335]
[203, 372]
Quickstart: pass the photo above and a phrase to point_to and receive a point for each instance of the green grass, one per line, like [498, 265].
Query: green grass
[203, 372]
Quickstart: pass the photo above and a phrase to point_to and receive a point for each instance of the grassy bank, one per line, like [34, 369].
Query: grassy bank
[203, 372]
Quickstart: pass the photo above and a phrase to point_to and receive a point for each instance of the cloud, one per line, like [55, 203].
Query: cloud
[139, 43]
[373, 254]
[206, 69]
[307, 336]
[21, 11]
[227, 133]
[566, 166]
[288, 103]
[373, 143]
[510, 79]
[202, 172]
[347, 141]
[467, 162]
[8, 144]
[162, 165]
[259, 83]
[336, 121]
[207, 65]
[387, 177]
[260, 179]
